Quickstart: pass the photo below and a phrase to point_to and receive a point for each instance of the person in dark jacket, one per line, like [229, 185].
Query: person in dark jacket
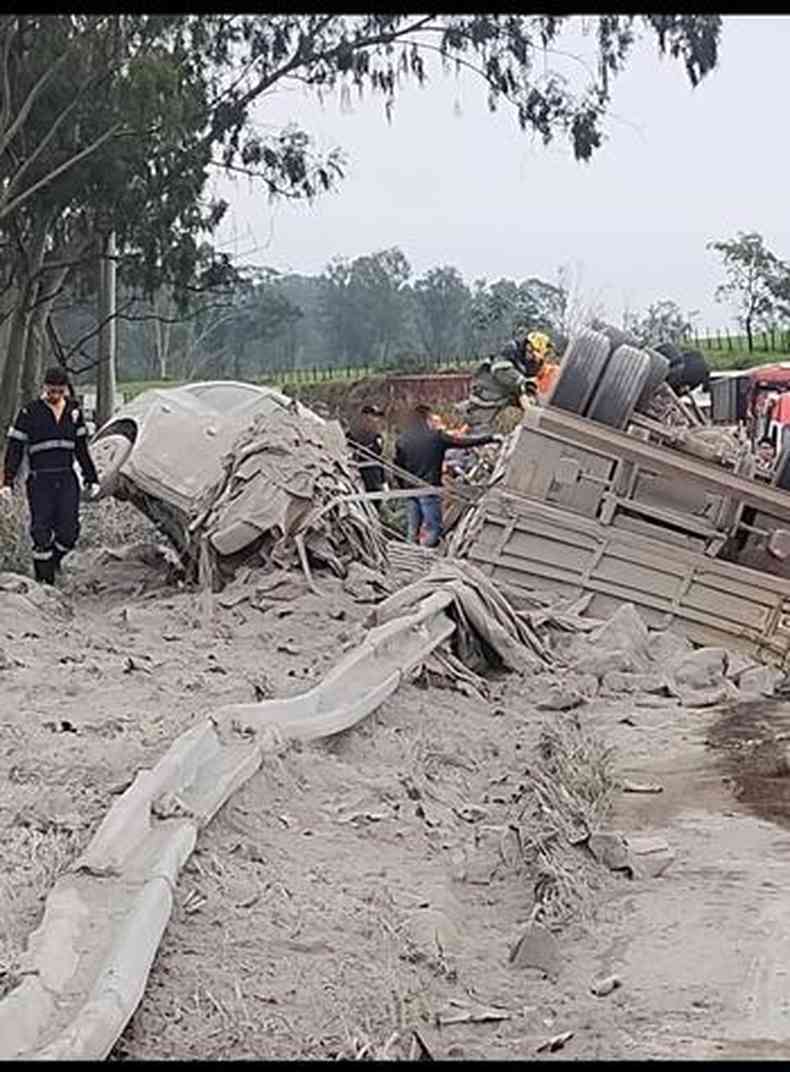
[52, 431]
[365, 439]
[420, 450]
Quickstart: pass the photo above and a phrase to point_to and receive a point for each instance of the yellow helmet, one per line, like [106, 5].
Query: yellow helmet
[539, 344]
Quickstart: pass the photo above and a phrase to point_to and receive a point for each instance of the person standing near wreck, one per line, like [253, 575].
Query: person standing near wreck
[52, 430]
[420, 451]
[366, 441]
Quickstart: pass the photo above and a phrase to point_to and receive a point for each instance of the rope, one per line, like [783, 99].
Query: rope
[421, 487]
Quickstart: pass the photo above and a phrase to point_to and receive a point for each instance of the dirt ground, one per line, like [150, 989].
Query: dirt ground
[360, 888]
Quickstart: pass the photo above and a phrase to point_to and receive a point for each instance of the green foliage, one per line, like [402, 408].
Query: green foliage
[114, 123]
[498, 310]
[441, 299]
[365, 304]
[362, 313]
[664, 321]
[751, 270]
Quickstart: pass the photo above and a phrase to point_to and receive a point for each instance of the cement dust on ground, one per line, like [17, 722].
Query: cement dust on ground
[366, 886]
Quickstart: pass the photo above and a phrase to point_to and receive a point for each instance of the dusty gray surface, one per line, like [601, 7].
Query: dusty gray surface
[357, 889]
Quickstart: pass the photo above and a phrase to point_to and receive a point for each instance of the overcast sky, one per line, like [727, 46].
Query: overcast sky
[450, 183]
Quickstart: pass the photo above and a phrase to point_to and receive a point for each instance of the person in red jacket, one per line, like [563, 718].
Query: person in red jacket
[52, 431]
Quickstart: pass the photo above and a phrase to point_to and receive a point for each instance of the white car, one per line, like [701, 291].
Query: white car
[163, 449]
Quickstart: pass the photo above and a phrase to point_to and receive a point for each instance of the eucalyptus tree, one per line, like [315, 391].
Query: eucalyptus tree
[115, 123]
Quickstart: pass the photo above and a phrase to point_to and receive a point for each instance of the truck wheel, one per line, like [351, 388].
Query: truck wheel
[676, 362]
[581, 369]
[620, 386]
[695, 370]
[659, 369]
[110, 452]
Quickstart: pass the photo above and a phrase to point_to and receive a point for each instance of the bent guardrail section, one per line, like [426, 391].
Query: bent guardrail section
[87, 963]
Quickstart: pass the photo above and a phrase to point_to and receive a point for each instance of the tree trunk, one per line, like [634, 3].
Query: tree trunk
[749, 339]
[32, 371]
[10, 385]
[11, 381]
[30, 379]
[8, 302]
[163, 309]
[105, 370]
[186, 365]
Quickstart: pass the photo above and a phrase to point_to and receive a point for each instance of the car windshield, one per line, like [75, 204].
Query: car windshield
[224, 398]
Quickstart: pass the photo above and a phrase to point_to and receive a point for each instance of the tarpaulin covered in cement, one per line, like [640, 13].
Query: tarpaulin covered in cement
[226, 467]
[280, 471]
[481, 613]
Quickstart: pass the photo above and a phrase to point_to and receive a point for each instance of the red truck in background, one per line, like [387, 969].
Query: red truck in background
[757, 401]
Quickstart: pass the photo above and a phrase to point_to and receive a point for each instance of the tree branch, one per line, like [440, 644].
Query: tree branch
[301, 56]
[8, 39]
[29, 101]
[7, 210]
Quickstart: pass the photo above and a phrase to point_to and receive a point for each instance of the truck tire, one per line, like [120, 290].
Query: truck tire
[620, 387]
[676, 362]
[670, 351]
[696, 372]
[659, 369]
[580, 370]
[110, 451]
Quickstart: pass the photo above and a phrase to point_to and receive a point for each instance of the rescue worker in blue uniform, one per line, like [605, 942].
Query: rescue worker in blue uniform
[52, 430]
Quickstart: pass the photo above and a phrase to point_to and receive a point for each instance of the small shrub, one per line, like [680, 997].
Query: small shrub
[112, 523]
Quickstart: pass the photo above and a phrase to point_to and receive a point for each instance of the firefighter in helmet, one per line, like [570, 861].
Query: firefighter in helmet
[509, 379]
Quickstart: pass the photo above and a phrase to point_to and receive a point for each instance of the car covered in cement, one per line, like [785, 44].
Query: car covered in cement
[167, 450]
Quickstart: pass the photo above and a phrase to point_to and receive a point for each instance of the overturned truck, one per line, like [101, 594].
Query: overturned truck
[616, 489]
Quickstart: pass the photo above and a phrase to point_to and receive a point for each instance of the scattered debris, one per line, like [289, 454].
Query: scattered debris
[289, 649]
[471, 1014]
[7, 662]
[419, 1051]
[62, 726]
[537, 948]
[700, 670]
[622, 681]
[556, 1042]
[602, 987]
[560, 699]
[639, 787]
[758, 681]
[130, 666]
[611, 849]
[652, 855]
[485, 620]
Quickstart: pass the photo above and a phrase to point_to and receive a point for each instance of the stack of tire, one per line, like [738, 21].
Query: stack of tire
[606, 376]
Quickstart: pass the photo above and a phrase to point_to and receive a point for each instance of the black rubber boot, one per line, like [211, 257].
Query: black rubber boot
[44, 569]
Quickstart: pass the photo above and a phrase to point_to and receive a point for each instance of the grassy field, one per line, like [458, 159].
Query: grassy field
[722, 360]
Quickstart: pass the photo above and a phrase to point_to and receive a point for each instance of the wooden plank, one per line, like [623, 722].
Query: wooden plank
[717, 601]
[661, 460]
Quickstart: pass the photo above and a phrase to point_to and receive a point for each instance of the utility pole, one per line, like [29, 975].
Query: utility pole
[105, 370]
